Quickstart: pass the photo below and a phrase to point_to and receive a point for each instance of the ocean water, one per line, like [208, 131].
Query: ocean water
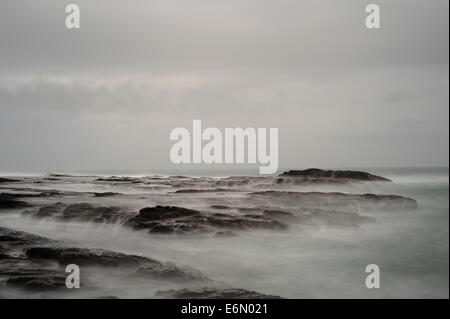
[411, 247]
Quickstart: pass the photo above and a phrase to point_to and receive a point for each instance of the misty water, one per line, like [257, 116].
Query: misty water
[411, 247]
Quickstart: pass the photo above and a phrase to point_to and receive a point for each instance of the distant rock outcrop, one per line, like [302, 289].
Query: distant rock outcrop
[320, 173]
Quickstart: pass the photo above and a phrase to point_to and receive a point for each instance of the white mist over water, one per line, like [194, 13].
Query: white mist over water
[411, 248]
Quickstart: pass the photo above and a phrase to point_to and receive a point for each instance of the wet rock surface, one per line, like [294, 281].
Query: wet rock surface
[171, 219]
[231, 204]
[214, 190]
[10, 201]
[8, 180]
[32, 262]
[213, 293]
[85, 256]
[19, 271]
[36, 279]
[105, 194]
[79, 212]
[199, 207]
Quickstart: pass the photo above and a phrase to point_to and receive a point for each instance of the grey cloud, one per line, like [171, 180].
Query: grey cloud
[107, 95]
[42, 94]
[306, 38]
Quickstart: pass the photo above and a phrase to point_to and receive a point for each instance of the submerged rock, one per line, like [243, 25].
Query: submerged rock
[335, 200]
[170, 271]
[85, 211]
[81, 212]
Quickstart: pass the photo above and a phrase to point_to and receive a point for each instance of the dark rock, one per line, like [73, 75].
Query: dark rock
[80, 212]
[119, 179]
[172, 219]
[9, 202]
[60, 175]
[20, 195]
[47, 211]
[36, 263]
[319, 173]
[166, 212]
[16, 239]
[99, 257]
[38, 280]
[3, 252]
[22, 272]
[213, 293]
[50, 193]
[148, 215]
[88, 212]
[8, 180]
[214, 190]
[162, 229]
[85, 256]
[51, 210]
[105, 194]
[31, 194]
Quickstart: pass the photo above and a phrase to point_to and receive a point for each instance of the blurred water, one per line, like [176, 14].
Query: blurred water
[411, 248]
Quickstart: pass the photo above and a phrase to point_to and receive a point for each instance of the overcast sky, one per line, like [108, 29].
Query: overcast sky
[107, 95]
